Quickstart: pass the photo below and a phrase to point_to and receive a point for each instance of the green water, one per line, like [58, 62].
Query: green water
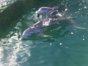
[68, 46]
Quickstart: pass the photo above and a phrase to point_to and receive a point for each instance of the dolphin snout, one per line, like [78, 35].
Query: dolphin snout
[22, 37]
[38, 13]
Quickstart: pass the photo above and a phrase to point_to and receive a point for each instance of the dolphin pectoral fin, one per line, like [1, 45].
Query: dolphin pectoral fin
[43, 35]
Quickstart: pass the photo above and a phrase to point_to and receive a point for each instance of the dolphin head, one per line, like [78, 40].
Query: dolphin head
[43, 10]
[26, 33]
[24, 36]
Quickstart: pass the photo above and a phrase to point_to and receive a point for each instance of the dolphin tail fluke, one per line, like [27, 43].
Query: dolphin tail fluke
[79, 27]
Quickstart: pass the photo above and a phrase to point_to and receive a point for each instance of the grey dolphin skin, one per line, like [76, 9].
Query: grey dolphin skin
[40, 25]
[32, 30]
[54, 12]
[36, 28]
[48, 10]
[52, 18]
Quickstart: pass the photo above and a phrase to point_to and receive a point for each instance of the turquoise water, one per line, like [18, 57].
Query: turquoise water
[67, 46]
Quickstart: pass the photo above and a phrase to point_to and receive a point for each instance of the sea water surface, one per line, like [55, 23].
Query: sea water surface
[68, 46]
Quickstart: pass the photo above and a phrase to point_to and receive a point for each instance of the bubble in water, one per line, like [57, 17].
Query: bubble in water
[50, 43]
[71, 32]
[85, 7]
[66, 47]
[66, 9]
[79, 9]
[83, 35]
[83, 39]
[60, 43]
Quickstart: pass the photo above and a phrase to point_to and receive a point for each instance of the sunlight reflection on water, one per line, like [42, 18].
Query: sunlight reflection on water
[19, 50]
[14, 52]
[4, 4]
[1, 53]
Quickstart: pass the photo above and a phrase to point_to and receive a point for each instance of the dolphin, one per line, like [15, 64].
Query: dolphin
[51, 19]
[37, 27]
[47, 10]
[42, 24]
[54, 12]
